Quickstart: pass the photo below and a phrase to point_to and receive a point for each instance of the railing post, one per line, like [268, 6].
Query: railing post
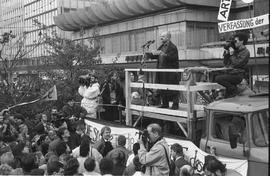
[128, 99]
[190, 111]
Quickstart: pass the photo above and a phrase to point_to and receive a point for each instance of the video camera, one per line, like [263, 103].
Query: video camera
[84, 80]
[229, 43]
[145, 137]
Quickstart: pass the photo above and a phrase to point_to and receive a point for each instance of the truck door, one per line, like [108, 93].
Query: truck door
[219, 134]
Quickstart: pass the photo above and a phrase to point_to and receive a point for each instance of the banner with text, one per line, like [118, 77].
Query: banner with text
[224, 10]
[191, 151]
[243, 24]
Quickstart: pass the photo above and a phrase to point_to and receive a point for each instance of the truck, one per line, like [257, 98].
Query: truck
[235, 128]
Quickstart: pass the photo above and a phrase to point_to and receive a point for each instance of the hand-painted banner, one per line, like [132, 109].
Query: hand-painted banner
[224, 10]
[190, 150]
[243, 24]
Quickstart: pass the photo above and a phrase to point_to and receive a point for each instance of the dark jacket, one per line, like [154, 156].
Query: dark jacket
[103, 147]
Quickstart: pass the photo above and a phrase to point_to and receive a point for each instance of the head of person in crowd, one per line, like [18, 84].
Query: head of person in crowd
[44, 118]
[176, 150]
[63, 134]
[5, 169]
[106, 166]
[121, 140]
[154, 131]
[118, 157]
[84, 147]
[52, 135]
[54, 168]
[72, 166]
[27, 162]
[61, 148]
[40, 159]
[17, 150]
[90, 164]
[48, 156]
[70, 101]
[64, 158]
[80, 129]
[186, 170]
[213, 167]
[240, 39]
[136, 148]
[44, 148]
[93, 78]
[7, 158]
[105, 133]
[37, 172]
[165, 36]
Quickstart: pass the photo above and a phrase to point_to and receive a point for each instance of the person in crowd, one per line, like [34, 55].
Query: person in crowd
[5, 169]
[121, 147]
[89, 90]
[118, 158]
[8, 130]
[43, 126]
[167, 57]
[236, 57]
[90, 165]
[61, 148]
[135, 149]
[84, 153]
[75, 137]
[86, 145]
[7, 158]
[106, 166]
[186, 170]
[71, 168]
[27, 163]
[54, 168]
[62, 135]
[104, 146]
[178, 157]
[64, 158]
[138, 167]
[72, 110]
[213, 167]
[155, 159]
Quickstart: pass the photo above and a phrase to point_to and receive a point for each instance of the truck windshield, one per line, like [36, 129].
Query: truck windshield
[260, 129]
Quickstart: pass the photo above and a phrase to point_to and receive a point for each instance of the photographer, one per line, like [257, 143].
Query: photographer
[155, 159]
[236, 56]
[89, 90]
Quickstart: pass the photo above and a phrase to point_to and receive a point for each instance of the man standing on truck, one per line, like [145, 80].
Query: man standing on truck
[167, 57]
[236, 56]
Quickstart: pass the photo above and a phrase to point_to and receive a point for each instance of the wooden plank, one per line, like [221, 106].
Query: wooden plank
[128, 98]
[155, 70]
[201, 86]
[181, 113]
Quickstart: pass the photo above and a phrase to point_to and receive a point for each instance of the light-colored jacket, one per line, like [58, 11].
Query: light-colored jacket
[89, 101]
[155, 160]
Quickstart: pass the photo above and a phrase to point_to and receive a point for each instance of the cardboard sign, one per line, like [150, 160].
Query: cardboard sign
[224, 10]
[191, 151]
[243, 24]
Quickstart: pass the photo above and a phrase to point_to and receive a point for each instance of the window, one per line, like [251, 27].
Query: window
[222, 122]
[260, 128]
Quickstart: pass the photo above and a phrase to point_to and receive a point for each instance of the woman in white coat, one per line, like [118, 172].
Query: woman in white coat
[89, 90]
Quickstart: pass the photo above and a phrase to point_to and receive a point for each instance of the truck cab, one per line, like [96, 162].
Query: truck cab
[238, 127]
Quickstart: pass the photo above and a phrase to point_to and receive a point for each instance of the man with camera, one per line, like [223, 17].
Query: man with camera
[156, 158]
[236, 57]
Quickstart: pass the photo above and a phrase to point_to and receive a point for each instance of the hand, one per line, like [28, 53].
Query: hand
[231, 50]
[156, 52]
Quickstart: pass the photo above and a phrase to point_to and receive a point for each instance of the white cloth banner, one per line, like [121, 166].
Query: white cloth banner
[224, 10]
[132, 134]
[243, 23]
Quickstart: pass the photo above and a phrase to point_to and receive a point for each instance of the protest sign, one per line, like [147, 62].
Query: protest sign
[243, 23]
[224, 10]
[190, 149]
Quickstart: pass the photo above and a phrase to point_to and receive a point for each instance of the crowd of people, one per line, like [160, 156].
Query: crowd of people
[53, 145]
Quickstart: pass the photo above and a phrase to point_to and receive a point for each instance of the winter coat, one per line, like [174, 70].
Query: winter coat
[89, 101]
[155, 160]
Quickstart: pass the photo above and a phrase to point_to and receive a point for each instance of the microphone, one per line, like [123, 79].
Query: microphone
[149, 42]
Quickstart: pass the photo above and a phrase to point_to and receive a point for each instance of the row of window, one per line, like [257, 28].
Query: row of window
[39, 7]
[190, 35]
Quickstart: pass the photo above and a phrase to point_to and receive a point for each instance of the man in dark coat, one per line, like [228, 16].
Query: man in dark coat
[167, 58]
